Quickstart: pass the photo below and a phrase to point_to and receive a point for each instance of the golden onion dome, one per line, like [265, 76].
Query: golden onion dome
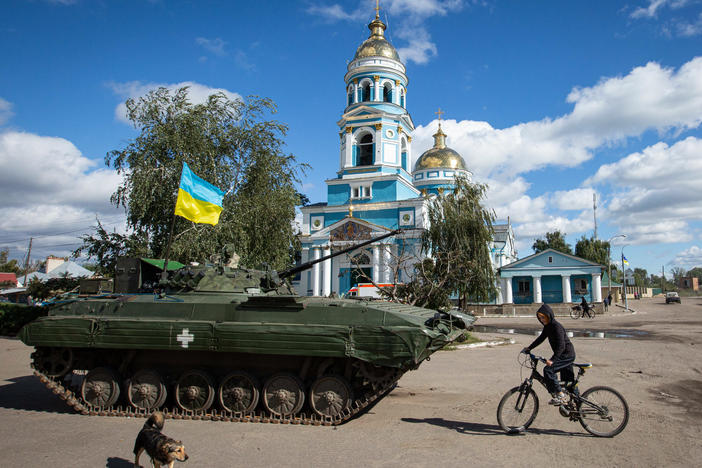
[376, 45]
[440, 156]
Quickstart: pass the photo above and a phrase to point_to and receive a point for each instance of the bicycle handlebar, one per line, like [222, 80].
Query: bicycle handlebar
[534, 357]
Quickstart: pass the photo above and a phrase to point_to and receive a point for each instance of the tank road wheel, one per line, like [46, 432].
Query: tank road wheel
[330, 395]
[283, 394]
[100, 388]
[195, 391]
[238, 392]
[378, 375]
[55, 362]
[146, 390]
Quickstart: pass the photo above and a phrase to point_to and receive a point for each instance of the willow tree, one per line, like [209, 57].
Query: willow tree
[457, 241]
[229, 143]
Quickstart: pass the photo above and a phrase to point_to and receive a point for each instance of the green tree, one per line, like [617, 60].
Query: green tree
[105, 247]
[592, 249]
[230, 144]
[554, 240]
[8, 266]
[695, 272]
[457, 242]
[641, 277]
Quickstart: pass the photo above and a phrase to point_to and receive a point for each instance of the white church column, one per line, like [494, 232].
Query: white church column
[348, 147]
[376, 263]
[386, 263]
[500, 298]
[396, 93]
[316, 253]
[355, 91]
[537, 289]
[326, 284]
[378, 136]
[507, 290]
[596, 287]
[304, 284]
[376, 88]
[565, 280]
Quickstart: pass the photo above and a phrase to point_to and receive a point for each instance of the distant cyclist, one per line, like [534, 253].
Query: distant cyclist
[585, 306]
[563, 354]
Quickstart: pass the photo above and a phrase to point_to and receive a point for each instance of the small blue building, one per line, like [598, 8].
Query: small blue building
[551, 277]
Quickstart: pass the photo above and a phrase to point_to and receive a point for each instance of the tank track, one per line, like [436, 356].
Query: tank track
[74, 401]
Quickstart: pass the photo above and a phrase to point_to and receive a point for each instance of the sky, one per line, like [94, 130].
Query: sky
[548, 102]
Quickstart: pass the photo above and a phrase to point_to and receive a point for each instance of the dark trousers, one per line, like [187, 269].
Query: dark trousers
[565, 366]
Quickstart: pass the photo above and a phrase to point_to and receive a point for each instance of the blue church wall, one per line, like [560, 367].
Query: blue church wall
[581, 285]
[551, 289]
[522, 290]
[387, 218]
[337, 195]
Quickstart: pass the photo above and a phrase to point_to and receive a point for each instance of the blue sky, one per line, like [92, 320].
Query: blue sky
[547, 102]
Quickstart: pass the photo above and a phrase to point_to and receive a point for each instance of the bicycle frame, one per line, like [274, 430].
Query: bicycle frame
[574, 407]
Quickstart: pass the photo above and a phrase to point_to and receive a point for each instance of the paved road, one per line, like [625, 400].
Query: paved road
[441, 414]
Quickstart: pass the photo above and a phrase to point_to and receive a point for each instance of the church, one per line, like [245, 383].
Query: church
[380, 185]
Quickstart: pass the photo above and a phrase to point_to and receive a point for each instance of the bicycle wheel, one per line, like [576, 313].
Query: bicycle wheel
[517, 409]
[603, 412]
[574, 313]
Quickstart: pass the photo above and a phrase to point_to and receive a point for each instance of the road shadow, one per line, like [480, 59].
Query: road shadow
[27, 393]
[465, 427]
[114, 462]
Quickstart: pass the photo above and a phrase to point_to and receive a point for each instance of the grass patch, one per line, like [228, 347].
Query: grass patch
[465, 338]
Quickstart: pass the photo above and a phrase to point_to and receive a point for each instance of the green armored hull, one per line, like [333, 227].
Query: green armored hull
[232, 344]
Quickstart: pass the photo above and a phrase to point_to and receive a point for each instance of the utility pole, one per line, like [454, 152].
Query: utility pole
[26, 263]
[594, 211]
[663, 278]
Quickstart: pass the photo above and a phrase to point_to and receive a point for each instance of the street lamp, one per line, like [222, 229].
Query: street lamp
[626, 301]
[609, 263]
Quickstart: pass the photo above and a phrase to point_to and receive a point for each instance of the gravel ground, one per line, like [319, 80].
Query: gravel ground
[441, 414]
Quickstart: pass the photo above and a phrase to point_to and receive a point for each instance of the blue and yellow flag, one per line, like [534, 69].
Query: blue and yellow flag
[198, 200]
[624, 260]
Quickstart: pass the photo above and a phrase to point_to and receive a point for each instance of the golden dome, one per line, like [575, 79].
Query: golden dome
[440, 156]
[376, 45]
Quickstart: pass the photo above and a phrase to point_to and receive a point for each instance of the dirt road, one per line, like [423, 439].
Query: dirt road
[441, 414]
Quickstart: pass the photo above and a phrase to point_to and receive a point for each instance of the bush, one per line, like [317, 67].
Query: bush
[15, 316]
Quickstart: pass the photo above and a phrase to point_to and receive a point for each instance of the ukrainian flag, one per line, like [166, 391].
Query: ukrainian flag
[198, 200]
[624, 260]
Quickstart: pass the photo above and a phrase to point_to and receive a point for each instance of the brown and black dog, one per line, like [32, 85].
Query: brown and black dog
[163, 450]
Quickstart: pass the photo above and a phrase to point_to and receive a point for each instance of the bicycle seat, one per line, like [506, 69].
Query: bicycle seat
[585, 365]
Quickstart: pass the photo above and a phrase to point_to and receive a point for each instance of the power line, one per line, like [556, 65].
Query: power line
[114, 223]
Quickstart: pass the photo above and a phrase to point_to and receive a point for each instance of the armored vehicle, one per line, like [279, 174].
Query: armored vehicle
[233, 344]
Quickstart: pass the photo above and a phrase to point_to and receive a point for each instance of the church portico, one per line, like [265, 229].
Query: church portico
[551, 277]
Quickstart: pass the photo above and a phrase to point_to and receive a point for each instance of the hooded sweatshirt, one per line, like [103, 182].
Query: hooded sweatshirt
[557, 337]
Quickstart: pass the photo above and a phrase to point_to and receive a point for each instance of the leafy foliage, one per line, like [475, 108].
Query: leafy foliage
[592, 249]
[457, 242]
[8, 266]
[554, 240]
[41, 290]
[15, 316]
[227, 142]
[106, 247]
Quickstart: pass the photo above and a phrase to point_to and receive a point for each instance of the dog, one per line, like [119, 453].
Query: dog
[163, 450]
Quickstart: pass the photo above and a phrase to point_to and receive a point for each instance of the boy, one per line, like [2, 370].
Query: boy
[563, 353]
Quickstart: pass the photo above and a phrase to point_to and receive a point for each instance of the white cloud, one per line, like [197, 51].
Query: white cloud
[689, 29]
[215, 46]
[569, 200]
[651, 10]
[659, 191]
[689, 258]
[5, 111]
[197, 93]
[49, 187]
[649, 97]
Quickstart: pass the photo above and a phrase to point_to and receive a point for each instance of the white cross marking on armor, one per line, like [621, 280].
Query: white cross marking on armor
[185, 337]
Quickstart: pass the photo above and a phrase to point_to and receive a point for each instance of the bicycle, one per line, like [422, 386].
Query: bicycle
[577, 312]
[602, 411]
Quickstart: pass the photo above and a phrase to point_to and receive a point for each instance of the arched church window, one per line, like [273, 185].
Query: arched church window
[349, 99]
[387, 93]
[366, 92]
[365, 150]
[402, 98]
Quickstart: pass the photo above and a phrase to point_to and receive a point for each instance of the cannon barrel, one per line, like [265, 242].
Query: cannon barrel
[295, 270]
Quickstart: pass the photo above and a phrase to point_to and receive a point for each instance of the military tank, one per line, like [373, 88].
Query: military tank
[233, 344]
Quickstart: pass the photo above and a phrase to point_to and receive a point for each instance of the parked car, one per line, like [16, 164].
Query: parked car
[672, 296]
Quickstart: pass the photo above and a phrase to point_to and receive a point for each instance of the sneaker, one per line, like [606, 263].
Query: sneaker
[558, 399]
